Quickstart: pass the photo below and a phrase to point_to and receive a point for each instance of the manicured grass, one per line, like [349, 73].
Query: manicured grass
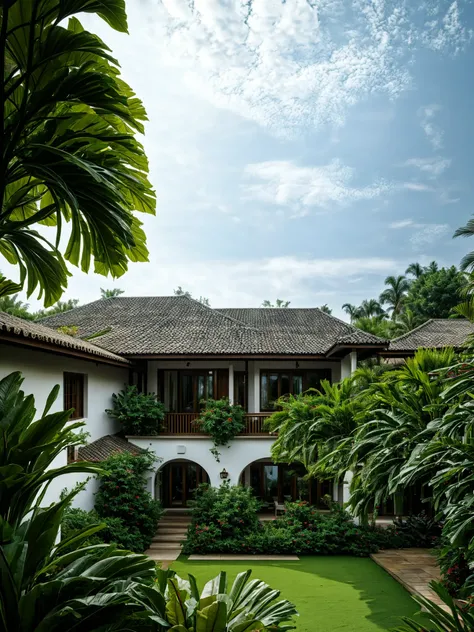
[332, 594]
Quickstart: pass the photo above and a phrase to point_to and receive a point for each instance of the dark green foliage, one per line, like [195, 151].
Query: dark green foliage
[222, 421]
[420, 531]
[139, 413]
[226, 511]
[434, 294]
[454, 567]
[456, 619]
[46, 583]
[70, 153]
[224, 521]
[114, 530]
[244, 606]
[122, 495]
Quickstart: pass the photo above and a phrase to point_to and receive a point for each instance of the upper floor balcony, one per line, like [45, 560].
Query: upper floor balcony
[184, 424]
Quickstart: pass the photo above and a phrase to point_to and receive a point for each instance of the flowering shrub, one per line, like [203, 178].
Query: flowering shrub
[139, 413]
[221, 524]
[222, 421]
[454, 568]
[122, 495]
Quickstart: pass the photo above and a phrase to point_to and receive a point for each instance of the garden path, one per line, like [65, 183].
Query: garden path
[413, 568]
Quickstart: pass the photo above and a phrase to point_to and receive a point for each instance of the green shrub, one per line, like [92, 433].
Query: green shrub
[222, 421]
[224, 520]
[454, 568]
[75, 520]
[139, 413]
[419, 531]
[220, 514]
[122, 495]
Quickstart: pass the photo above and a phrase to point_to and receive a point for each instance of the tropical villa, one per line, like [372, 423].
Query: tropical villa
[186, 352]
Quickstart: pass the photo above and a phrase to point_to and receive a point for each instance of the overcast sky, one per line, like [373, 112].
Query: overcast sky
[297, 151]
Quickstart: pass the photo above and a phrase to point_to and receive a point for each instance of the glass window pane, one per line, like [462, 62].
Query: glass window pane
[297, 384]
[285, 385]
[264, 392]
[210, 385]
[200, 388]
[270, 483]
[187, 397]
[272, 389]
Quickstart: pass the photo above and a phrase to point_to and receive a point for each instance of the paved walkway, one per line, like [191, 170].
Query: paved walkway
[413, 568]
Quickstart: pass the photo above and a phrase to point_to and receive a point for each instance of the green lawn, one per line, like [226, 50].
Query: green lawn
[330, 593]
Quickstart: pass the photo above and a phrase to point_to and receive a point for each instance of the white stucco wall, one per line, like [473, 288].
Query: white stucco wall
[42, 371]
[242, 452]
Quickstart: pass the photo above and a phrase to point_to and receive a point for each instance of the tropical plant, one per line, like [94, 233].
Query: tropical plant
[457, 619]
[370, 308]
[139, 413]
[415, 270]
[70, 152]
[326, 309]
[222, 421]
[279, 303]
[13, 306]
[247, 605]
[92, 588]
[351, 310]
[435, 293]
[122, 495]
[406, 321]
[395, 293]
[57, 308]
[111, 293]
[376, 325]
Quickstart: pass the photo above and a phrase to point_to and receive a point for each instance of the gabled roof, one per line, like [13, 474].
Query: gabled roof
[106, 446]
[13, 329]
[434, 334]
[177, 325]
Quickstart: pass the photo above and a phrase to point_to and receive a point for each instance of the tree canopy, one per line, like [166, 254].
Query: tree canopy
[70, 158]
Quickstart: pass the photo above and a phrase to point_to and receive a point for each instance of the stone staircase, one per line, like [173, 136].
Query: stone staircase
[166, 544]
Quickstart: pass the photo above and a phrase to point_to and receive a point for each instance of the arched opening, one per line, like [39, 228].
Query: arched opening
[283, 482]
[176, 482]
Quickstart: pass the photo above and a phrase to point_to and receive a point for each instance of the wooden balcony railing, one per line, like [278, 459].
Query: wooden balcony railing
[183, 424]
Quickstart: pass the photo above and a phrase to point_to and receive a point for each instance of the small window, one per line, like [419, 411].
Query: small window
[74, 394]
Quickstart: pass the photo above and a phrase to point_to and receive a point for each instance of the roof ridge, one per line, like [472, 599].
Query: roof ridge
[408, 333]
[216, 312]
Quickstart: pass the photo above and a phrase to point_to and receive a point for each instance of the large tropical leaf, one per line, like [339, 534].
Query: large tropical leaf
[70, 156]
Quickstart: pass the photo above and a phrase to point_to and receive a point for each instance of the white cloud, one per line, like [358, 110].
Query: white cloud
[292, 64]
[284, 183]
[425, 233]
[429, 234]
[433, 132]
[403, 223]
[433, 167]
[417, 186]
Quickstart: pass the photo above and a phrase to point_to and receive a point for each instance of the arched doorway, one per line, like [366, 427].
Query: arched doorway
[284, 482]
[176, 482]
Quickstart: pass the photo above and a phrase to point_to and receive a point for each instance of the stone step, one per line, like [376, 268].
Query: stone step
[160, 555]
[165, 545]
[174, 521]
[174, 537]
[170, 530]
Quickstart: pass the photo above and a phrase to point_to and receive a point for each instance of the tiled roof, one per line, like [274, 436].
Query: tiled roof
[434, 334]
[177, 325]
[106, 446]
[29, 330]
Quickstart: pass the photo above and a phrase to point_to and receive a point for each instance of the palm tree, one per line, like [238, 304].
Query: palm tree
[467, 262]
[12, 305]
[415, 269]
[406, 321]
[279, 303]
[369, 308]
[70, 153]
[326, 309]
[432, 267]
[351, 310]
[395, 294]
[114, 292]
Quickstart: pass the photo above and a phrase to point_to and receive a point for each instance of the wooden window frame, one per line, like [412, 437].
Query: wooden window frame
[303, 373]
[75, 400]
